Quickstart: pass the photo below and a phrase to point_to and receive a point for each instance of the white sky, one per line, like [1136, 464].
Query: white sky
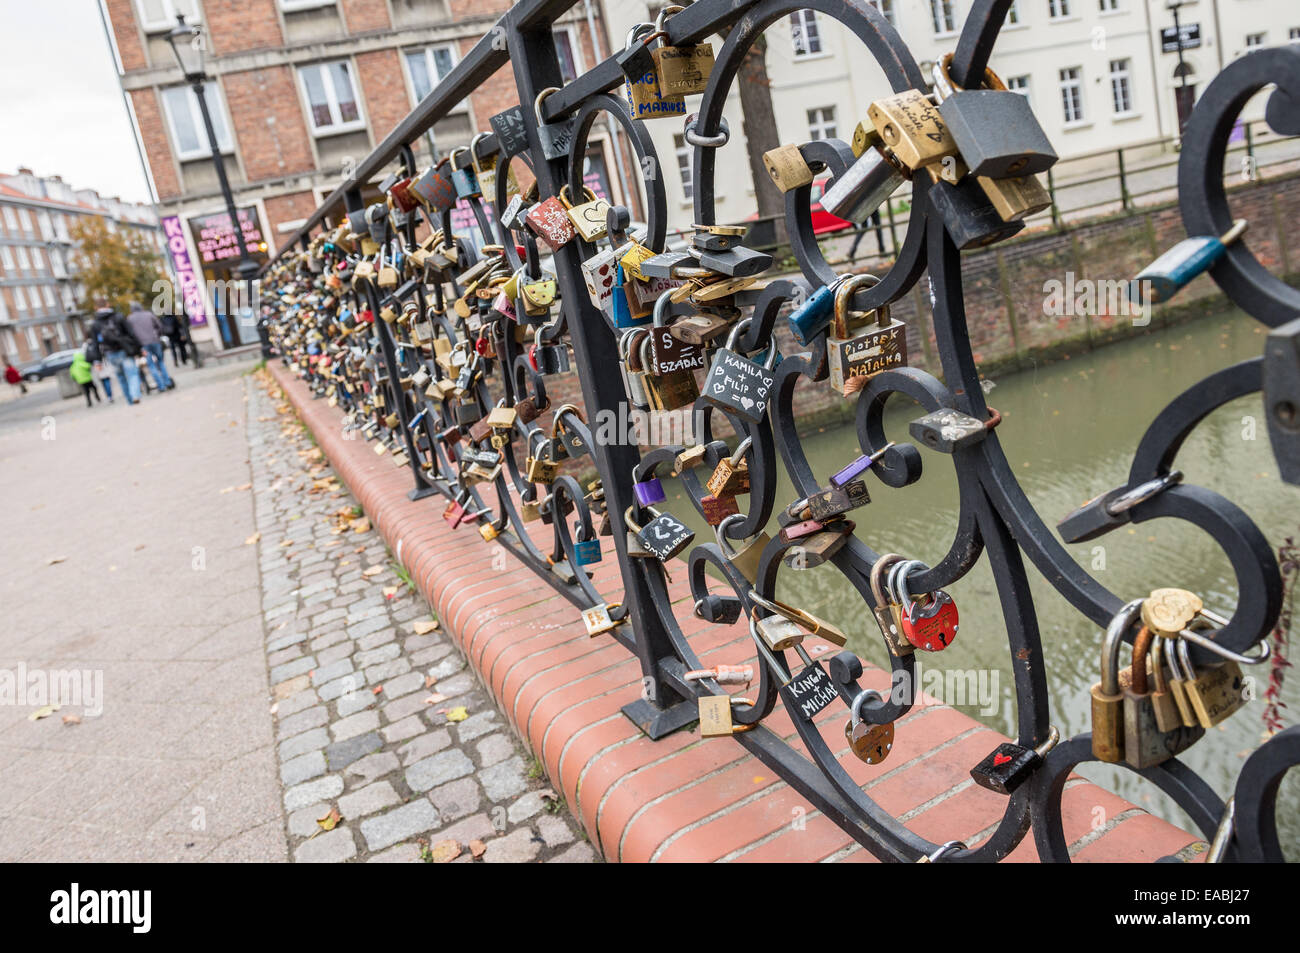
[61, 108]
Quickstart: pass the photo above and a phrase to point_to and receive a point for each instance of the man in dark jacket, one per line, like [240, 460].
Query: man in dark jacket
[171, 329]
[120, 348]
[147, 330]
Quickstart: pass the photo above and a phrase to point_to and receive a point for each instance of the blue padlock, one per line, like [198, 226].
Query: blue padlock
[813, 316]
[587, 551]
[622, 312]
[1176, 268]
[464, 180]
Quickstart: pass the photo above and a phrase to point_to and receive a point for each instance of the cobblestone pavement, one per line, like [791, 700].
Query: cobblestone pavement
[383, 734]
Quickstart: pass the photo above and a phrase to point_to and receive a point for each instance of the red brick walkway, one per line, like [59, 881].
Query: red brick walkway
[682, 798]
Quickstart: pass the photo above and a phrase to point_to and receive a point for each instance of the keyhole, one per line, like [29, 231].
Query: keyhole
[1284, 412]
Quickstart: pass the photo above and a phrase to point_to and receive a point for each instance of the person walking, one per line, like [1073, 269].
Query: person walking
[171, 330]
[147, 330]
[121, 348]
[95, 355]
[14, 377]
[84, 374]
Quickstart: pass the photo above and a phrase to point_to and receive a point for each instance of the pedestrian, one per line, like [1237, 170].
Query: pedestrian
[171, 329]
[14, 377]
[147, 329]
[95, 354]
[84, 374]
[120, 347]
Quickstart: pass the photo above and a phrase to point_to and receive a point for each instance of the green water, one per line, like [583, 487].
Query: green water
[1069, 431]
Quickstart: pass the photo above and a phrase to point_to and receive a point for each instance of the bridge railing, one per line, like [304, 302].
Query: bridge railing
[421, 339]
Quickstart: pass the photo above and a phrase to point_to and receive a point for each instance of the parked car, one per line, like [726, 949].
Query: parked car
[48, 365]
[823, 222]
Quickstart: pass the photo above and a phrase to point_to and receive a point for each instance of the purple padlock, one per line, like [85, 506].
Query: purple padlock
[649, 492]
[858, 467]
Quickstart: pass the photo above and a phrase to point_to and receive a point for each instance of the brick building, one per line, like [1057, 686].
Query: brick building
[300, 89]
[41, 300]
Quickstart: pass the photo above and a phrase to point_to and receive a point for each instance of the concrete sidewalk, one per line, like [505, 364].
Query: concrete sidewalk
[157, 597]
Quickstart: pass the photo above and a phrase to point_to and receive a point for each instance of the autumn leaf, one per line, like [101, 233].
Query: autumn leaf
[252, 539]
[377, 689]
[477, 849]
[45, 712]
[55, 560]
[372, 571]
[459, 713]
[361, 525]
[330, 820]
[390, 591]
[425, 626]
[444, 851]
[434, 699]
[72, 719]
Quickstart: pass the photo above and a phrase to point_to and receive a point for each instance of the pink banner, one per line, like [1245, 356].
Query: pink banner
[191, 286]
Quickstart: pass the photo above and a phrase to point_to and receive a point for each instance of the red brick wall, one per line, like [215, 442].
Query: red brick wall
[363, 15]
[276, 149]
[121, 14]
[237, 25]
[477, 9]
[148, 114]
[287, 208]
[384, 88]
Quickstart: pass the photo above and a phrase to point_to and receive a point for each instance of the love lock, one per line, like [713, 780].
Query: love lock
[929, 625]
[1010, 765]
[869, 743]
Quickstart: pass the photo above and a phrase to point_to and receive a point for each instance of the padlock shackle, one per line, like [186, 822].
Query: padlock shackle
[662, 303]
[1139, 662]
[844, 294]
[724, 544]
[1119, 625]
[855, 710]
[537, 103]
[877, 571]
[741, 449]
[945, 85]
[665, 13]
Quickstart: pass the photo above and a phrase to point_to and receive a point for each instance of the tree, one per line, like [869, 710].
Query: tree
[760, 133]
[118, 267]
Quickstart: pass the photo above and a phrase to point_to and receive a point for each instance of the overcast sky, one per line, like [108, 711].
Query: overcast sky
[61, 108]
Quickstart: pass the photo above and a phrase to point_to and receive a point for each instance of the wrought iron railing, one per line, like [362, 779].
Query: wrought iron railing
[381, 334]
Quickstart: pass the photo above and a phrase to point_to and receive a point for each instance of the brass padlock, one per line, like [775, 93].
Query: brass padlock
[1216, 692]
[1107, 696]
[911, 127]
[1145, 744]
[856, 358]
[731, 475]
[744, 555]
[589, 216]
[787, 167]
[888, 613]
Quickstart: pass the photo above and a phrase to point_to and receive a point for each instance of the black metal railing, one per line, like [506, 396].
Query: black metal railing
[400, 335]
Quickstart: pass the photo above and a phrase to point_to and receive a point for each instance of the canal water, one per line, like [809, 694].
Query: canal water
[1069, 430]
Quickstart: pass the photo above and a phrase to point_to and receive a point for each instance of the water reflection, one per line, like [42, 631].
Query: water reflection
[1069, 431]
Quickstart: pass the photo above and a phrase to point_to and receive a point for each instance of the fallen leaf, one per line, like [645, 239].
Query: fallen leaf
[425, 626]
[54, 560]
[477, 848]
[45, 712]
[459, 713]
[372, 571]
[444, 851]
[377, 689]
[252, 539]
[72, 719]
[246, 486]
[361, 525]
[275, 708]
[229, 489]
[430, 681]
[434, 699]
[330, 820]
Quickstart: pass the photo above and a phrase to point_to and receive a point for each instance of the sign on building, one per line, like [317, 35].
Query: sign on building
[191, 285]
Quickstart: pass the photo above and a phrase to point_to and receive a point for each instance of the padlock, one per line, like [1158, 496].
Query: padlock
[825, 505]
[537, 294]
[622, 313]
[1168, 716]
[819, 547]
[530, 408]
[746, 554]
[434, 189]
[589, 216]
[567, 437]
[1216, 692]
[648, 490]
[731, 476]
[929, 623]
[949, 430]
[550, 221]
[860, 190]
[787, 167]
[813, 316]
[670, 391]
[910, 125]
[463, 179]
[1175, 269]
[736, 262]
[888, 613]
[723, 674]
[699, 329]
[665, 536]
[635, 59]
[997, 135]
[547, 359]
[855, 359]
[1145, 745]
[599, 275]
[597, 620]
[868, 742]
[1168, 611]
[777, 632]
[629, 352]
[968, 215]
[586, 551]
[538, 468]
[722, 610]
[668, 353]
[1179, 680]
[645, 100]
[810, 623]
[489, 532]
[1016, 198]
[1107, 696]
[858, 467]
[556, 137]
[737, 384]
[718, 508]
[1010, 765]
[681, 70]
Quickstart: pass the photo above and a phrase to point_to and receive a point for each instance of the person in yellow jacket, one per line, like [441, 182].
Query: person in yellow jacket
[84, 375]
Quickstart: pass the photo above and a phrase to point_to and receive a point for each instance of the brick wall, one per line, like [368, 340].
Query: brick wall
[148, 114]
[384, 86]
[363, 15]
[121, 14]
[287, 208]
[269, 124]
[238, 25]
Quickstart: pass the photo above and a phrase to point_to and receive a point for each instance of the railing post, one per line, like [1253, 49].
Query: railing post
[1124, 197]
[1051, 191]
[660, 709]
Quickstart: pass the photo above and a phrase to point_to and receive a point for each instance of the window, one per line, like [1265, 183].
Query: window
[1293, 34]
[1254, 39]
[1072, 94]
[1019, 84]
[48, 294]
[47, 226]
[292, 5]
[1056, 9]
[428, 67]
[331, 97]
[158, 15]
[11, 342]
[63, 333]
[804, 33]
[185, 119]
[4, 316]
[26, 219]
[684, 166]
[569, 52]
[886, 8]
[1121, 91]
[23, 262]
[821, 123]
[11, 220]
[7, 257]
[1013, 13]
[941, 16]
[1108, 6]
[20, 300]
[33, 345]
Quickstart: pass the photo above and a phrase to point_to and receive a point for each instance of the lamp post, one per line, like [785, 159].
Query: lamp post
[1180, 97]
[188, 46]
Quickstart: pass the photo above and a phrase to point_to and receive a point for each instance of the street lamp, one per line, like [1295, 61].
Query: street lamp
[188, 45]
[1184, 107]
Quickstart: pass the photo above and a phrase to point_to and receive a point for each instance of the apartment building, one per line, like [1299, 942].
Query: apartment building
[1095, 71]
[41, 300]
[299, 91]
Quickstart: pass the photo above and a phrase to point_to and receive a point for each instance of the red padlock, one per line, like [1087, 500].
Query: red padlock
[532, 358]
[930, 623]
